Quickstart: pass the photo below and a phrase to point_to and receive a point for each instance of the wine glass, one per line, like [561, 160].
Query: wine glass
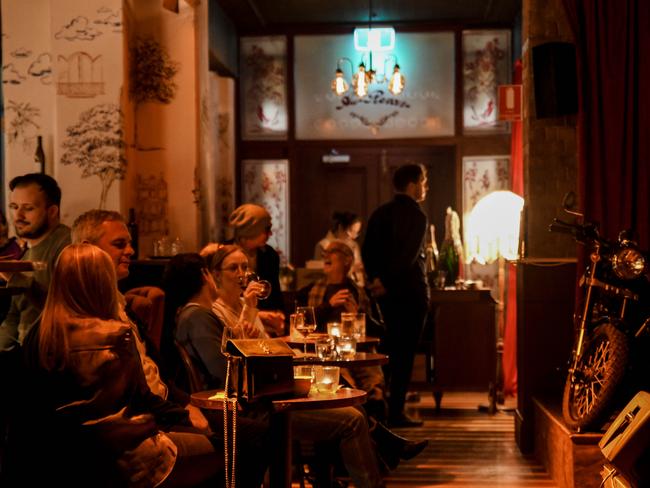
[249, 277]
[230, 333]
[308, 322]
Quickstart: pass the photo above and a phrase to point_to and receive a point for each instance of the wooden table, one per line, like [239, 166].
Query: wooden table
[311, 340]
[280, 468]
[360, 359]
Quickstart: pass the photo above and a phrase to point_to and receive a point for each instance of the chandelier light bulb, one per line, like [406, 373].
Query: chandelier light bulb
[397, 81]
[360, 81]
[339, 85]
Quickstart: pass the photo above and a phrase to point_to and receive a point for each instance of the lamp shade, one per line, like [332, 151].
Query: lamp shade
[493, 227]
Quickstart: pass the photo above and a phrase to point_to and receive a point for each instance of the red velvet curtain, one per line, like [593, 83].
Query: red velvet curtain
[612, 37]
[517, 186]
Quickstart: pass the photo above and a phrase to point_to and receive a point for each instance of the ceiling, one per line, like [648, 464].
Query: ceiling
[274, 15]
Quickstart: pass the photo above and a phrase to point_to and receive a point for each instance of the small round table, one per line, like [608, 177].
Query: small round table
[280, 468]
[360, 359]
[366, 343]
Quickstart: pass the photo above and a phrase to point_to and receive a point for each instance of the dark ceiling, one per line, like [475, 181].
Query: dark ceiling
[274, 15]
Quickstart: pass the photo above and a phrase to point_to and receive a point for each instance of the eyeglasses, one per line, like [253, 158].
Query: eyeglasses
[234, 267]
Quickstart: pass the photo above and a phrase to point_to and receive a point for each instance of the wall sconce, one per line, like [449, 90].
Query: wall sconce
[362, 78]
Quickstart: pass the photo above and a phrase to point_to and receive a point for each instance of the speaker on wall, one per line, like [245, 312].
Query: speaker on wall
[554, 73]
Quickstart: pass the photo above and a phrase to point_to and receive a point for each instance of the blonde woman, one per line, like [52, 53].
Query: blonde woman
[106, 426]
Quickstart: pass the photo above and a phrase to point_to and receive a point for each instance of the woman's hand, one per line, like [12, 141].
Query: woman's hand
[251, 292]
[273, 322]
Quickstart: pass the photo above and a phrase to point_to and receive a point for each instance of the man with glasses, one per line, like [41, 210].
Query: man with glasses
[394, 258]
[252, 227]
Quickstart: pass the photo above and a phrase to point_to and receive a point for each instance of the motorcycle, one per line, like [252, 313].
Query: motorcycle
[612, 324]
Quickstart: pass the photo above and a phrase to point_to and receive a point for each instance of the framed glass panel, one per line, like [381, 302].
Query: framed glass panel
[263, 68]
[424, 109]
[481, 175]
[486, 65]
[266, 183]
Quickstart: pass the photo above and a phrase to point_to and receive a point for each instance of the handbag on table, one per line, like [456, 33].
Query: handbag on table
[260, 368]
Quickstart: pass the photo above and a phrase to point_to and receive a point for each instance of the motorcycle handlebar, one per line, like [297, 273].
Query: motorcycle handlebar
[562, 228]
[581, 232]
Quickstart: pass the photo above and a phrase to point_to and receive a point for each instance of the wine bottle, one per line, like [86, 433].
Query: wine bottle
[132, 225]
[39, 155]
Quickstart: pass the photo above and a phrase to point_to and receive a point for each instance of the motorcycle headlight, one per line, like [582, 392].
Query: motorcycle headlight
[628, 264]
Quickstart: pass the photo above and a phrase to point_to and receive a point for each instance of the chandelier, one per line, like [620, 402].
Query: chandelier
[366, 74]
[362, 78]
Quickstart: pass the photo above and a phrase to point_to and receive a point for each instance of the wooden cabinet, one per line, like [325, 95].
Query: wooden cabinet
[464, 340]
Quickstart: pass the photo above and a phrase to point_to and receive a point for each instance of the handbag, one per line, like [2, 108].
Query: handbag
[263, 368]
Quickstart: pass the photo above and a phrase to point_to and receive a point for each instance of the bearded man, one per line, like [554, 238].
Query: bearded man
[34, 206]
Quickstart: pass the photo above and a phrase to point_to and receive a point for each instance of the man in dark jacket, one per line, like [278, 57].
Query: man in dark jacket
[394, 258]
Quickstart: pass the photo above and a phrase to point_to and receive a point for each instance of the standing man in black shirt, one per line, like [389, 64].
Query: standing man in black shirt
[394, 258]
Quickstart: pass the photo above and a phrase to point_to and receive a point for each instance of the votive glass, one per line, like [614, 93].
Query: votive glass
[334, 329]
[326, 379]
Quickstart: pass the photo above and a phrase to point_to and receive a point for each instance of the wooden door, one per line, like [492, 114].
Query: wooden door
[319, 189]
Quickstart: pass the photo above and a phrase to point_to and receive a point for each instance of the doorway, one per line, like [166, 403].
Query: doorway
[361, 185]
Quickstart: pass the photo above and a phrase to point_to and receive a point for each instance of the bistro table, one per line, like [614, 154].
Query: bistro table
[360, 359]
[362, 342]
[280, 468]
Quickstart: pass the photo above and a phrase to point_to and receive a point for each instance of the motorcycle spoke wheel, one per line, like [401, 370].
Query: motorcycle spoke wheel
[590, 389]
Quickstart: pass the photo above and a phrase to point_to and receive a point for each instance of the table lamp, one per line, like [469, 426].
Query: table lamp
[493, 235]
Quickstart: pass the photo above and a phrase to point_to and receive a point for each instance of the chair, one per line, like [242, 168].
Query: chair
[194, 382]
[148, 303]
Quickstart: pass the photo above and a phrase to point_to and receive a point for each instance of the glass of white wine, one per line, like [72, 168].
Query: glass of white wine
[308, 323]
[230, 333]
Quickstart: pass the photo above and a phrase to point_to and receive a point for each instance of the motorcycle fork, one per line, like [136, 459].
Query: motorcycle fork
[582, 328]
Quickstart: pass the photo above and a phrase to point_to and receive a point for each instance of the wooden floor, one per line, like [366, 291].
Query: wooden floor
[467, 448]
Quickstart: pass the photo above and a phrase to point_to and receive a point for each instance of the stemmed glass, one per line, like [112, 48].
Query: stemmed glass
[231, 333]
[308, 323]
[249, 277]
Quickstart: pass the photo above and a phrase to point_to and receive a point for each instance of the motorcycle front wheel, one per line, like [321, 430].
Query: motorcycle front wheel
[590, 389]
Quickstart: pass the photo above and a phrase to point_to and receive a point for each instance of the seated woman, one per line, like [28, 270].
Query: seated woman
[97, 421]
[337, 293]
[199, 330]
[346, 227]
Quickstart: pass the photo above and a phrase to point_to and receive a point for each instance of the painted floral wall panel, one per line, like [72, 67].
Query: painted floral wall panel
[481, 176]
[424, 109]
[486, 64]
[266, 183]
[63, 81]
[88, 57]
[263, 66]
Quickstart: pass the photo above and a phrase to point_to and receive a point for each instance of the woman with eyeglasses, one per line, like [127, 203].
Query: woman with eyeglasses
[237, 302]
[199, 329]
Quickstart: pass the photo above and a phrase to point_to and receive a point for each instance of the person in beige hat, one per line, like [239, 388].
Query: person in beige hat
[252, 228]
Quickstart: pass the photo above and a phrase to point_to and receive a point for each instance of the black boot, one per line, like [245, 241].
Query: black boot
[392, 447]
